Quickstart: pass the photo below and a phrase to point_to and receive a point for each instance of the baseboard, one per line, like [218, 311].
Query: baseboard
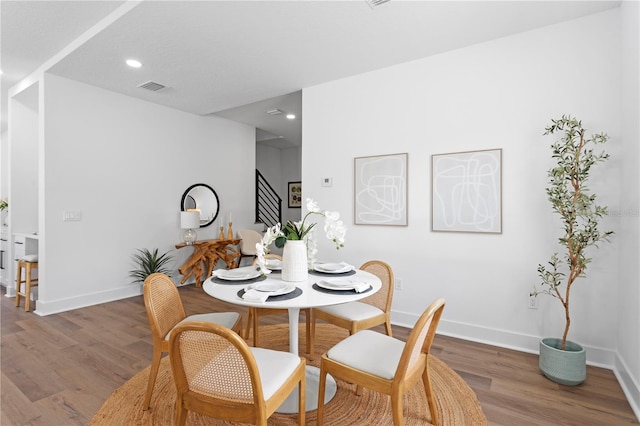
[44, 308]
[630, 387]
[598, 357]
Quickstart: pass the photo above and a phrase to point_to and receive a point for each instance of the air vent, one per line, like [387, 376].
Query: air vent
[374, 3]
[274, 112]
[152, 85]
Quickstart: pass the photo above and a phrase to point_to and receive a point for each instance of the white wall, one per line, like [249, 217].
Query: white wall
[124, 163]
[629, 238]
[499, 94]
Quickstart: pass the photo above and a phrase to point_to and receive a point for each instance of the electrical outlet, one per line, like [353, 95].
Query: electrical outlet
[398, 284]
[533, 302]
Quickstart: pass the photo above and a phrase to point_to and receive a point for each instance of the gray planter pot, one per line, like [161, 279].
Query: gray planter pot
[567, 367]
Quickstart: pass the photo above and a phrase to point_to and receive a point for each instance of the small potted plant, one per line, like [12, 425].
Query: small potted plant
[149, 262]
[561, 360]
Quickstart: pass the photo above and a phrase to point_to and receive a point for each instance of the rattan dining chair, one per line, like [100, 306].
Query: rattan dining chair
[254, 314]
[385, 364]
[217, 374]
[366, 313]
[165, 311]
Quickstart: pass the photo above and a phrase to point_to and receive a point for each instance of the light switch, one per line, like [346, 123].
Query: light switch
[327, 181]
[72, 216]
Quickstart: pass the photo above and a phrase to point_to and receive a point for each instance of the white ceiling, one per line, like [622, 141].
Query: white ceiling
[238, 59]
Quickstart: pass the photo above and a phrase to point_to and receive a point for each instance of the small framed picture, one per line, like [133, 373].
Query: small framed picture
[295, 195]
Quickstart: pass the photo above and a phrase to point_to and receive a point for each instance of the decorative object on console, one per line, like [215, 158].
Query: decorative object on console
[148, 263]
[189, 220]
[230, 232]
[294, 268]
[561, 360]
[206, 254]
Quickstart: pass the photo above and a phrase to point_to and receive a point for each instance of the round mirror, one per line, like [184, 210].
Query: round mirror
[201, 197]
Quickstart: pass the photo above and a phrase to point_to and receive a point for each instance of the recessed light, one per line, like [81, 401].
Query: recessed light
[291, 116]
[133, 63]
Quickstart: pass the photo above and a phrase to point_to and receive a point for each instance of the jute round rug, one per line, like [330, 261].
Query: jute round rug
[456, 402]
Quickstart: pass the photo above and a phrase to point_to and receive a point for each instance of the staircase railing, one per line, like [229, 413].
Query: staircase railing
[268, 202]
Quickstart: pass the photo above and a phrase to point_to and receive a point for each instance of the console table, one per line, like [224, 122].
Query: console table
[206, 254]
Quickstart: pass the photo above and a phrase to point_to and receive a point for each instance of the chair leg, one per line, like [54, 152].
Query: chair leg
[302, 390]
[153, 373]
[256, 322]
[248, 327]
[396, 408]
[181, 412]
[307, 318]
[387, 325]
[27, 289]
[18, 284]
[312, 335]
[321, 389]
[429, 391]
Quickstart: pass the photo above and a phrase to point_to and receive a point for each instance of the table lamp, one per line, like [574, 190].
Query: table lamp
[189, 220]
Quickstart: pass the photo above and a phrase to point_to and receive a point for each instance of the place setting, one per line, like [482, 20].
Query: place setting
[269, 292]
[244, 275]
[339, 269]
[342, 286]
[274, 265]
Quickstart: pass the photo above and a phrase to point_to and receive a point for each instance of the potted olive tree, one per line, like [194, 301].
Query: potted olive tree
[562, 360]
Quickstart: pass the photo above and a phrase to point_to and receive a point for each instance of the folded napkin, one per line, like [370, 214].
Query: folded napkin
[251, 295]
[357, 286]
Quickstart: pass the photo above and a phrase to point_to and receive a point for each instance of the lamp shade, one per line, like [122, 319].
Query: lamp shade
[190, 220]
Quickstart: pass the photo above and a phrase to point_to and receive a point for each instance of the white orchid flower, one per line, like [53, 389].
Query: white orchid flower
[312, 206]
[332, 216]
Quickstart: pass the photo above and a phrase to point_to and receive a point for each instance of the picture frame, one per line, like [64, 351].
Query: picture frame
[380, 190]
[466, 191]
[295, 195]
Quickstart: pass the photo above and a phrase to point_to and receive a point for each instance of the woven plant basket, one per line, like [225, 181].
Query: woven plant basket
[568, 366]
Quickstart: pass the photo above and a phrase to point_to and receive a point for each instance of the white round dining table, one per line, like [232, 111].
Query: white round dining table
[309, 298]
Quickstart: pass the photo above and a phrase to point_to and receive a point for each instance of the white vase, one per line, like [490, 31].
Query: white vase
[294, 261]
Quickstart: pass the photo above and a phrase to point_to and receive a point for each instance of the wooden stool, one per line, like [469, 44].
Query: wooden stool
[28, 282]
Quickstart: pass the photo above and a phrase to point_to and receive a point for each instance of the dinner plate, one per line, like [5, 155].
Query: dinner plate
[332, 268]
[237, 274]
[273, 264]
[273, 289]
[341, 284]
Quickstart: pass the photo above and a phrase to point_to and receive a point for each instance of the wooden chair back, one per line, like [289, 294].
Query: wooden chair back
[164, 306]
[381, 299]
[418, 344]
[217, 375]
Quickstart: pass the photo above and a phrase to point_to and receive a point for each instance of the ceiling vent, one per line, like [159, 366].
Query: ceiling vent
[374, 3]
[275, 112]
[152, 85]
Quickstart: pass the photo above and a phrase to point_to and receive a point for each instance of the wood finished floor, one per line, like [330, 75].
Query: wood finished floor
[59, 369]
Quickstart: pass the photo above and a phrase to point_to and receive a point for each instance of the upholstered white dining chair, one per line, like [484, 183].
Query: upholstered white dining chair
[248, 240]
[217, 374]
[366, 313]
[165, 311]
[385, 364]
